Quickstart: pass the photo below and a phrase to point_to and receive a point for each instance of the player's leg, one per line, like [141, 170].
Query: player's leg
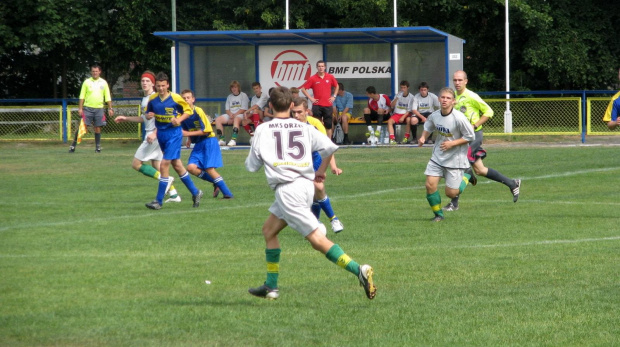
[235, 130]
[246, 123]
[391, 121]
[344, 122]
[325, 204]
[433, 174]
[219, 128]
[492, 174]
[187, 180]
[433, 197]
[328, 122]
[218, 183]
[269, 290]
[413, 124]
[164, 183]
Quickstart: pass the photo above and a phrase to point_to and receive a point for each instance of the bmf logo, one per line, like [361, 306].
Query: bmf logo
[290, 68]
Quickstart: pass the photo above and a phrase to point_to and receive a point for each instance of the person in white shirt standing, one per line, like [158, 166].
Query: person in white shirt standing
[284, 146]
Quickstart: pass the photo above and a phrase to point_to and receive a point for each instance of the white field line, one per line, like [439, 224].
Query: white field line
[90, 254]
[74, 221]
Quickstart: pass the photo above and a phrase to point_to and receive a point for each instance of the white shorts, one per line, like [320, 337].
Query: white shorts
[227, 117]
[293, 202]
[453, 177]
[149, 151]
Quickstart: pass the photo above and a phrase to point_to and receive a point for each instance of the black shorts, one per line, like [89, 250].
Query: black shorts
[375, 116]
[323, 113]
[423, 114]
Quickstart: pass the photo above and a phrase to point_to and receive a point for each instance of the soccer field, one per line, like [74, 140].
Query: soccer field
[84, 263]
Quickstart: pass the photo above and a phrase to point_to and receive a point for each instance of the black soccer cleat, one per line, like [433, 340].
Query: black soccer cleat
[451, 207]
[98, 149]
[71, 149]
[154, 205]
[265, 292]
[196, 198]
[473, 180]
[515, 191]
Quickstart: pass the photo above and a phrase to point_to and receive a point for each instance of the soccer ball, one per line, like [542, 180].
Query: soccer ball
[322, 229]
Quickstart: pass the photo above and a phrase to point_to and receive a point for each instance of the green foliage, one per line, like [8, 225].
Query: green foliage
[84, 263]
[47, 46]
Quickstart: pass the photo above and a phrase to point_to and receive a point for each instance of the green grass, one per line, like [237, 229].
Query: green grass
[84, 263]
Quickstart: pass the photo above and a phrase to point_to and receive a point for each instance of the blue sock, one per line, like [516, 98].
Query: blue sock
[189, 183]
[205, 176]
[326, 205]
[161, 189]
[219, 182]
[316, 209]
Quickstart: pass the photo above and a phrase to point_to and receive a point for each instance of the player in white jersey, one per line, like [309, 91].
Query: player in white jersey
[236, 105]
[149, 150]
[254, 115]
[402, 105]
[424, 103]
[449, 158]
[284, 146]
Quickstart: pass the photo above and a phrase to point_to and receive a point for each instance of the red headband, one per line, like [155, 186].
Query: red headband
[149, 76]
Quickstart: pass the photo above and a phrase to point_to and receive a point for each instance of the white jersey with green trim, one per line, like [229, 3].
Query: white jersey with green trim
[284, 146]
[148, 124]
[452, 126]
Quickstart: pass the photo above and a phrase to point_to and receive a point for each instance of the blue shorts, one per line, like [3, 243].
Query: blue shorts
[316, 160]
[206, 154]
[170, 141]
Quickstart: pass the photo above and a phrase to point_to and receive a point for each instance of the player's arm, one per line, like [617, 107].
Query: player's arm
[422, 138]
[332, 164]
[319, 175]
[446, 145]
[121, 118]
[303, 90]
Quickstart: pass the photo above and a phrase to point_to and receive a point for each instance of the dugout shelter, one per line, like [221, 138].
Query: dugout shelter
[207, 61]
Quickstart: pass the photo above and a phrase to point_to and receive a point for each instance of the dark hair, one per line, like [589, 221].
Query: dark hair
[185, 91]
[320, 61]
[95, 65]
[371, 90]
[404, 83]
[281, 99]
[423, 85]
[340, 86]
[161, 76]
[254, 84]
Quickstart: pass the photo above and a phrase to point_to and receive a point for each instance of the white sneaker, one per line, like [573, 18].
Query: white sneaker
[232, 142]
[222, 143]
[176, 198]
[337, 225]
[170, 180]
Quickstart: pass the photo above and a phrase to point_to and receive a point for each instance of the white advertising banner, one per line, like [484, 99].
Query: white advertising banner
[365, 69]
[288, 66]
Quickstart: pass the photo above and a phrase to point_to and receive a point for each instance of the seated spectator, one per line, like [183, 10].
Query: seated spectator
[402, 105]
[378, 110]
[424, 103]
[253, 116]
[268, 111]
[342, 111]
[236, 104]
